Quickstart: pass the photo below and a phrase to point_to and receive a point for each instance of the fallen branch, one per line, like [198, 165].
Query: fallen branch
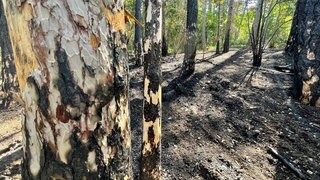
[286, 163]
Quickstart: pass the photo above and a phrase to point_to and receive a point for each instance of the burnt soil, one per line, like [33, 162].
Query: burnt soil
[219, 123]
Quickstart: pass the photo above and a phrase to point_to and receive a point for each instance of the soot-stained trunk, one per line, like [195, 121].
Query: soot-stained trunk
[164, 36]
[218, 29]
[72, 58]
[306, 52]
[188, 65]
[138, 43]
[151, 141]
[8, 73]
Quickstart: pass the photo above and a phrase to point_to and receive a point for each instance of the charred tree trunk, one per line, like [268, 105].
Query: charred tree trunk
[8, 73]
[164, 35]
[293, 32]
[204, 26]
[151, 141]
[305, 42]
[72, 62]
[188, 65]
[226, 44]
[138, 45]
[218, 31]
[255, 35]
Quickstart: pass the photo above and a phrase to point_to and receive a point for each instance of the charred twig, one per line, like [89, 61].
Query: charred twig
[286, 163]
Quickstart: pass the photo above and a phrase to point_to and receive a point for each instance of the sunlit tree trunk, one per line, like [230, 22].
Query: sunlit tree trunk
[151, 141]
[188, 65]
[71, 59]
[306, 49]
[8, 73]
[218, 30]
[138, 45]
[226, 44]
[164, 35]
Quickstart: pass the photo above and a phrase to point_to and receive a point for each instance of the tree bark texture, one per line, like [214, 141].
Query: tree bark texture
[138, 45]
[164, 35]
[8, 74]
[293, 32]
[151, 141]
[188, 65]
[306, 48]
[218, 30]
[71, 60]
[226, 44]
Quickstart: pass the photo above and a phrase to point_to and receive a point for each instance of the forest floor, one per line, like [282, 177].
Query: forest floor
[219, 123]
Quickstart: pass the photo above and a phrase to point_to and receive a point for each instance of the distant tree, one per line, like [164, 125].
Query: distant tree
[151, 141]
[8, 74]
[218, 28]
[138, 45]
[204, 25]
[304, 43]
[72, 58]
[188, 65]
[164, 36]
[226, 44]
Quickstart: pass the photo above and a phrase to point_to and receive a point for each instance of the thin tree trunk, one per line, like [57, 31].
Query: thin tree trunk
[72, 56]
[151, 141]
[188, 65]
[226, 44]
[164, 37]
[204, 26]
[138, 45]
[8, 73]
[218, 31]
[255, 35]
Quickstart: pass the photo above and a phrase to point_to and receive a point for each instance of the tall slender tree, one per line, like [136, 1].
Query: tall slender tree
[151, 141]
[138, 45]
[72, 58]
[226, 44]
[304, 41]
[9, 74]
[164, 35]
[188, 65]
[204, 26]
[218, 29]
[255, 35]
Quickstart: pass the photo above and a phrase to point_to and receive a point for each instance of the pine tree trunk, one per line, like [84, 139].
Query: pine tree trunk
[151, 144]
[305, 45]
[8, 73]
[218, 31]
[164, 37]
[72, 62]
[256, 35]
[138, 45]
[226, 44]
[188, 65]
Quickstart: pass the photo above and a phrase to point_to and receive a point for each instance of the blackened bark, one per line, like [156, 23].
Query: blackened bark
[8, 73]
[293, 32]
[138, 44]
[305, 45]
[151, 141]
[188, 65]
[164, 35]
[226, 44]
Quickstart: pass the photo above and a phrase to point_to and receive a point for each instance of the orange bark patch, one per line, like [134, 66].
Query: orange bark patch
[62, 114]
[94, 41]
[116, 19]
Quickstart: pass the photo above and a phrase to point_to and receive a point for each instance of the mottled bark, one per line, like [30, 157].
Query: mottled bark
[293, 32]
[226, 44]
[306, 48]
[188, 65]
[72, 60]
[164, 35]
[138, 44]
[151, 141]
[8, 73]
[218, 30]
